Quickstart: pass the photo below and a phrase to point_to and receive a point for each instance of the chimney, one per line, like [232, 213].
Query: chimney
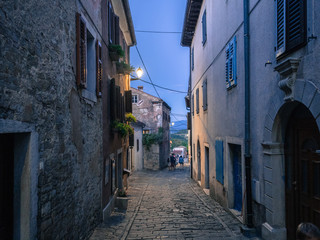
[140, 88]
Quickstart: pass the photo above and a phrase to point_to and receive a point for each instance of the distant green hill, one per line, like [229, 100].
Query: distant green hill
[179, 138]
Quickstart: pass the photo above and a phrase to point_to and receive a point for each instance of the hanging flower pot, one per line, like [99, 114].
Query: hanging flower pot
[124, 68]
[115, 52]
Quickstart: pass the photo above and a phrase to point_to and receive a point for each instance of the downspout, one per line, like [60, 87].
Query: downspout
[247, 153]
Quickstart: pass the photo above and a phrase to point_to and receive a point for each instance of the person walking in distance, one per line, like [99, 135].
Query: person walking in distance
[172, 162]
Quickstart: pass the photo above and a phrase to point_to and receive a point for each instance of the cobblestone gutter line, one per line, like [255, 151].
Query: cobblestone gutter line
[214, 214]
[128, 227]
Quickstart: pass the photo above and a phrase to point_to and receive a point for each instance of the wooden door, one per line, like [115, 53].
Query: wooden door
[6, 186]
[302, 175]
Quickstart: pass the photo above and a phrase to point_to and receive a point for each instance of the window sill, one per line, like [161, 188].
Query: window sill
[89, 97]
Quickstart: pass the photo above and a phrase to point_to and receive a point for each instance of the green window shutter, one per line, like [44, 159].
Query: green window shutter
[204, 95]
[110, 22]
[219, 161]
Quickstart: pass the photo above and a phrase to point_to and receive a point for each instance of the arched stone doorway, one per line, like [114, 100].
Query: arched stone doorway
[302, 170]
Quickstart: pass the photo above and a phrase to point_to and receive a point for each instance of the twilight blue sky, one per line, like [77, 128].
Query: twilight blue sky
[166, 61]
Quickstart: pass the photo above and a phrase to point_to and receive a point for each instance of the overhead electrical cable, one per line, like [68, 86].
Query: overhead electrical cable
[146, 70]
[168, 89]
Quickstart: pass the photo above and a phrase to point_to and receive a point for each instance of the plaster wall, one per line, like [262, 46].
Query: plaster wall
[224, 119]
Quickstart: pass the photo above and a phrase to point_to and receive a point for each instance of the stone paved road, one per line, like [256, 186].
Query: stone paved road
[168, 205]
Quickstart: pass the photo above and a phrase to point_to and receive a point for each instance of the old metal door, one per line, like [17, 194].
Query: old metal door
[302, 175]
[237, 177]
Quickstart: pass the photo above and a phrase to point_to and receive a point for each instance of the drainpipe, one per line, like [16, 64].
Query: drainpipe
[247, 154]
[189, 93]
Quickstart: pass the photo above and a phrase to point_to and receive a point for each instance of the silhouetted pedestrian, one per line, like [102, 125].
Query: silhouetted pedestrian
[308, 231]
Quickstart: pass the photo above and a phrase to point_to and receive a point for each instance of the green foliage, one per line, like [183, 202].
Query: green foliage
[123, 128]
[116, 49]
[123, 67]
[179, 139]
[122, 193]
[152, 138]
[130, 118]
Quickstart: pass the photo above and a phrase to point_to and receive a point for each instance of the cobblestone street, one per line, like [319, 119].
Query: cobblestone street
[168, 205]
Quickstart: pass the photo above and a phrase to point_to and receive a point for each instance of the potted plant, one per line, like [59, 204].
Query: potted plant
[124, 68]
[115, 52]
[122, 128]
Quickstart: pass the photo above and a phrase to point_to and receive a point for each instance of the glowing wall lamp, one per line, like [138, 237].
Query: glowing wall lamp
[139, 73]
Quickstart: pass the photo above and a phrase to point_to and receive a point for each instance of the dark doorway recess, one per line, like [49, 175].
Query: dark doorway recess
[302, 170]
[6, 185]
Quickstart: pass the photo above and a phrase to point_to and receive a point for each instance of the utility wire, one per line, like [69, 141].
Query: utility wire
[145, 31]
[146, 71]
[172, 90]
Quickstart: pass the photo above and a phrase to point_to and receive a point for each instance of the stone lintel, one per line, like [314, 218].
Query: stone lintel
[272, 148]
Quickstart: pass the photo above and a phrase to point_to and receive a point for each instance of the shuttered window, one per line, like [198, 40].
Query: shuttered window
[81, 51]
[192, 58]
[189, 121]
[197, 101]
[99, 68]
[219, 161]
[110, 22]
[291, 25]
[204, 95]
[128, 100]
[204, 27]
[113, 100]
[231, 64]
[192, 104]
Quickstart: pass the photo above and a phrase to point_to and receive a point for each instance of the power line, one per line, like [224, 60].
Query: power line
[146, 71]
[168, 89]
[163, 32]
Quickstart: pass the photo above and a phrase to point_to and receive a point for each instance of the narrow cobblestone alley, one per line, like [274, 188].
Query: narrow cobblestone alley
[168, 205]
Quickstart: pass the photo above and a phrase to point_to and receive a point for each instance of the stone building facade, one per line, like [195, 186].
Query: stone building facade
[54, 131]
[254, 92]
[155, 114]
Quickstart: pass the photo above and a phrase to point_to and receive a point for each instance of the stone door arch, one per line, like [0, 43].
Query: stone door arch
[280, 109]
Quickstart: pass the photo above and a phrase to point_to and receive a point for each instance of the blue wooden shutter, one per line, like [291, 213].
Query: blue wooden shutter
[231, 63]
[204, 95]
[219, 161]
[204, 27]
[227, 66]
[192, 58]
[197, 100]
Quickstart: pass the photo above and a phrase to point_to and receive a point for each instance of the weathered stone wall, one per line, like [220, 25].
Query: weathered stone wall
[38, 86]
[151, 157]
